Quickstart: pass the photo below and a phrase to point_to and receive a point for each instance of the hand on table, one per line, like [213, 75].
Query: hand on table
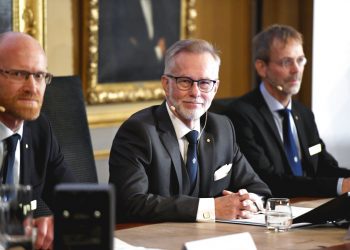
[44, 238]
[237, 205]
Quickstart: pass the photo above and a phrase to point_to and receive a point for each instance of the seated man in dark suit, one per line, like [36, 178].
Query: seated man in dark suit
[287, 153]
[159, 174]
[38, 160]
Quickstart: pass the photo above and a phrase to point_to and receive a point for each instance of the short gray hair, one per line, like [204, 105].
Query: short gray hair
[197, 46]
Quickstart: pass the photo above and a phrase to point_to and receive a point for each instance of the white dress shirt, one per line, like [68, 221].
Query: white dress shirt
[206, 206]
[5, 132]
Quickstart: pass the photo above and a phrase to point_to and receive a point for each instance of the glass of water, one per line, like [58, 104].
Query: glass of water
[16, 223]
[278, 214]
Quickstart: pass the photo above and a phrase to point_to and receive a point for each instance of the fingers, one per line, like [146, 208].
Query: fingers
[242, 192]
[346, 185]
[257, 201]
[226, 192]
[242, 204]
[44, 237]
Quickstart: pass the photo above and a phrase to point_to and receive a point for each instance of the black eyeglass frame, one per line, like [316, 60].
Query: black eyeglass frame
[24, 75]
[200, 82]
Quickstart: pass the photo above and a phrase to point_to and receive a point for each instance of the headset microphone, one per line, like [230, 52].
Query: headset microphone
[275, 85]
[2, 109]
[205, 124]
[172, 107]
[279, 87]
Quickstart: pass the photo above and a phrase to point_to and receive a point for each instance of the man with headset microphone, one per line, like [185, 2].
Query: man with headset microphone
[36, 156]
[279, 135]
[178, 162]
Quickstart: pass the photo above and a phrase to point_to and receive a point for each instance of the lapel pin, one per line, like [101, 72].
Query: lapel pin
[208, 140]
[27, 145]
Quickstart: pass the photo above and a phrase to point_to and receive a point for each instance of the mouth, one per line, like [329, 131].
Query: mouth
[294, 81]
[28, 101]
[193, 104]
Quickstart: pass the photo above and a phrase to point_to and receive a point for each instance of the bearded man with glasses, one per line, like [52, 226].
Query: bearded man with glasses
[279, 135]
[37, 159]
[177, 161]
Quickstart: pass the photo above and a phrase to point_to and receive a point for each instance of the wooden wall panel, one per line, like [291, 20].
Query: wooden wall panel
[227, 25]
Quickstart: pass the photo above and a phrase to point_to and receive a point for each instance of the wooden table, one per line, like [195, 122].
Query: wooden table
[173, 235]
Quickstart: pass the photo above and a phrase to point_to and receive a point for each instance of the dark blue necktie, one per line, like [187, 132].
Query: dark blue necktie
[290, 144]
[192, 162]
[10, 158]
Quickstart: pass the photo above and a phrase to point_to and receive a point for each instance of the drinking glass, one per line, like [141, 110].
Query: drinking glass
[16, 217]
[278, 214]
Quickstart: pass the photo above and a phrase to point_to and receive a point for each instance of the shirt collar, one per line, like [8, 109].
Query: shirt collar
[5, 132]
[180, 128]
[272, 102]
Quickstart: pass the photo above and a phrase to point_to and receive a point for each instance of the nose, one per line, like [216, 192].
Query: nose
[195, 89]
[30, 83]
[295, 67]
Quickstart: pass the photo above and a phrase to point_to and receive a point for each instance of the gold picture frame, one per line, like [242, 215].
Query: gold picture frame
[114, 91]
[29, 16]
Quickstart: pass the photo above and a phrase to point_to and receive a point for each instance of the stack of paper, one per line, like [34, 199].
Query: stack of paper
[241, 241]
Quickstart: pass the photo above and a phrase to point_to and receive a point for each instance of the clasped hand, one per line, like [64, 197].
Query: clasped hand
[237, 205]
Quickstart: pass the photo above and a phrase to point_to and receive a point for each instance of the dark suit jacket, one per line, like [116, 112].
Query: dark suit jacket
[42, 163]
[258, 138]
[150, 176]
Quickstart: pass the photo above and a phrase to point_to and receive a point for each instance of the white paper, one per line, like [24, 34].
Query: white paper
[241, 241]
[259, 219]
[122, 245]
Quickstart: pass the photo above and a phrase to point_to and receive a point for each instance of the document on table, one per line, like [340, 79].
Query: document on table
[240, 241]
[259, 219]
[122, 245]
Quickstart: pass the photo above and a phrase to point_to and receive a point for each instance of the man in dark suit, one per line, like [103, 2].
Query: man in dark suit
[149, 153]
[279, 61]
[38, 160]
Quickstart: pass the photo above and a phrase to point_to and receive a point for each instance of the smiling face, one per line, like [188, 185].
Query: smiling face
[191, 104]
[22, 99]
[282, 74]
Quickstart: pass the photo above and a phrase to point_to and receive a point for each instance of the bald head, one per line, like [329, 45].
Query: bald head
[20, 55]
[13, 44]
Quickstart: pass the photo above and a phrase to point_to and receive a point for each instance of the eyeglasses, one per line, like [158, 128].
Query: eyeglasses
[186, 83]
[288, 62]
[21, 75]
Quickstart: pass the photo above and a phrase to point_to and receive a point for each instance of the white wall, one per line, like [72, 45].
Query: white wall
[331, 76]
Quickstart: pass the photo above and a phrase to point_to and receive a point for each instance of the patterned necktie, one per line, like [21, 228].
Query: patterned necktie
[10, 158]
[290, 144]
[192, 162]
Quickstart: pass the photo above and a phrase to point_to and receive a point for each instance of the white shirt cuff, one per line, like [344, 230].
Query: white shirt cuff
[339, 186]
[206, 210]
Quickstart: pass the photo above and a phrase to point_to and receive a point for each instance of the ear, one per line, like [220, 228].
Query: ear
[261, 67]
[216, 87]
[165, 84]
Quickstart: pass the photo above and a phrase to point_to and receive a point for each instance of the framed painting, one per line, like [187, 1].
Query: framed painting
[25, 16]
[124, 44]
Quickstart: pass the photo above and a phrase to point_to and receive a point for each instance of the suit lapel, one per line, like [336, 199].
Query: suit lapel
[268, 117]
[169, 140]
[206, 157]
[302, 136]
[266, 114]
[26, 156]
